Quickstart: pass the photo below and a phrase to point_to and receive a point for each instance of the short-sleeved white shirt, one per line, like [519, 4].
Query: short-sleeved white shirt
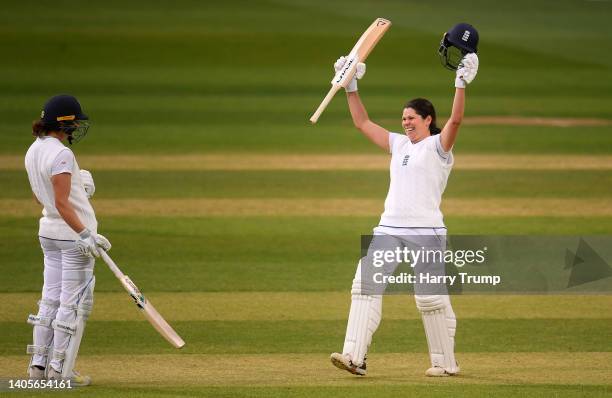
[47, 157]
[63, 163]
[419, 173]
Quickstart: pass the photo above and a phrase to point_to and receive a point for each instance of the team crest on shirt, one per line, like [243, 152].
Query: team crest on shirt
[405, 161]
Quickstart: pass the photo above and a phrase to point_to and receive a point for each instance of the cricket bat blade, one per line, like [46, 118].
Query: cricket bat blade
[359, 53]
[145, 306]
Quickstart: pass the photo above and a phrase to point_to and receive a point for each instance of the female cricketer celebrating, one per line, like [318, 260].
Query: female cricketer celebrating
[68, 238]
[421, 161]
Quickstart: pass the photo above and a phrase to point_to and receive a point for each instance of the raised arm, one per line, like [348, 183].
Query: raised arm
[451, 128]
[465, 74]
[375, 133]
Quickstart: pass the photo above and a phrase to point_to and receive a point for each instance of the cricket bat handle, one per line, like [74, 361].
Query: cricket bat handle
[334, 89]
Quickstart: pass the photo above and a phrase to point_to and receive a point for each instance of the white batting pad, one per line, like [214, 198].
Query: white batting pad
[43, 332]
[364, 318]
[84, 307]
[440, 325]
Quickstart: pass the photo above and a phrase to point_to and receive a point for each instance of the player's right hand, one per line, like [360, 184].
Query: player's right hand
[86, 244]
[103, 243]
[359, 72]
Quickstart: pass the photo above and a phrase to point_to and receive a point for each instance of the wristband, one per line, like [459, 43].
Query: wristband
[352, 86]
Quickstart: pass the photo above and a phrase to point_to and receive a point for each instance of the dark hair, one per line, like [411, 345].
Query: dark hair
[40, 129]
[424, 108]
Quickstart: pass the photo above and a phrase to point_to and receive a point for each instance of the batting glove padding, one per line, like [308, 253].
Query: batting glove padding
[86, 244]
[102, 242]
[359, 72]
[468, 68]
[88, 183]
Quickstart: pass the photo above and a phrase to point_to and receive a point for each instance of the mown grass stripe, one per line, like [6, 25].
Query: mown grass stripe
[351, 388]
[320, 162]
[273, 306]
[201, 207]
[337, 184]
[293, 336]
[391, 369]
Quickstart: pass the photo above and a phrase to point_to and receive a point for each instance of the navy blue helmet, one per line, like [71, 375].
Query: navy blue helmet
[63, 112]
[460, 40]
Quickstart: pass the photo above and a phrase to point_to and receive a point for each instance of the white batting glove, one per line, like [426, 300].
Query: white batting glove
[359, 72]
[86, 244]
[102, 242]
[88, 183]
[468, 68]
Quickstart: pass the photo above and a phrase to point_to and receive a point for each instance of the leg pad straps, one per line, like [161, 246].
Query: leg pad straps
[59, 355]
[66, 327]
[37, 349]
[36, 320]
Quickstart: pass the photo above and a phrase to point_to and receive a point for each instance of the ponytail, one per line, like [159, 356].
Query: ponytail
[39, 129]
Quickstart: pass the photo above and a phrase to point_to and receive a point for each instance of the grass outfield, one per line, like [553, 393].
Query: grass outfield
[548, 346]
[241, 222]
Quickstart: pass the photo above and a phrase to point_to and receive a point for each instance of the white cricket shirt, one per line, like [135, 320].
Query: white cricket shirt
[419, 173]
[47, 157]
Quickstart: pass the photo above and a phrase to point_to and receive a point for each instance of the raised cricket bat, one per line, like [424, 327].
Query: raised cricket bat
[359, 53]
[147, 309]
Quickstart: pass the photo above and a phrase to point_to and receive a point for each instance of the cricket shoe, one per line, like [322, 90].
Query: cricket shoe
[343, 361]
[76, 380]
[437, 371]
[36, 373]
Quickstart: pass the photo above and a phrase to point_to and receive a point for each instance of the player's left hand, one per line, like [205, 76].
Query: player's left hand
[468, 68]
[88, 183]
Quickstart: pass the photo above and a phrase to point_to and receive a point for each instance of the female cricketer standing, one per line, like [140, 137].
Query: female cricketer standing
[421, 161]
[68, 238]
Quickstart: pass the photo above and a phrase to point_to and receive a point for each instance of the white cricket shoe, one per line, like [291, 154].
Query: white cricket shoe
[342, 361]
[76, 380]
[36, 373]
[437, 371]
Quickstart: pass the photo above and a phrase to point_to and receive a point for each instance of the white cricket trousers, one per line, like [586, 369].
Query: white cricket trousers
[66, 274]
